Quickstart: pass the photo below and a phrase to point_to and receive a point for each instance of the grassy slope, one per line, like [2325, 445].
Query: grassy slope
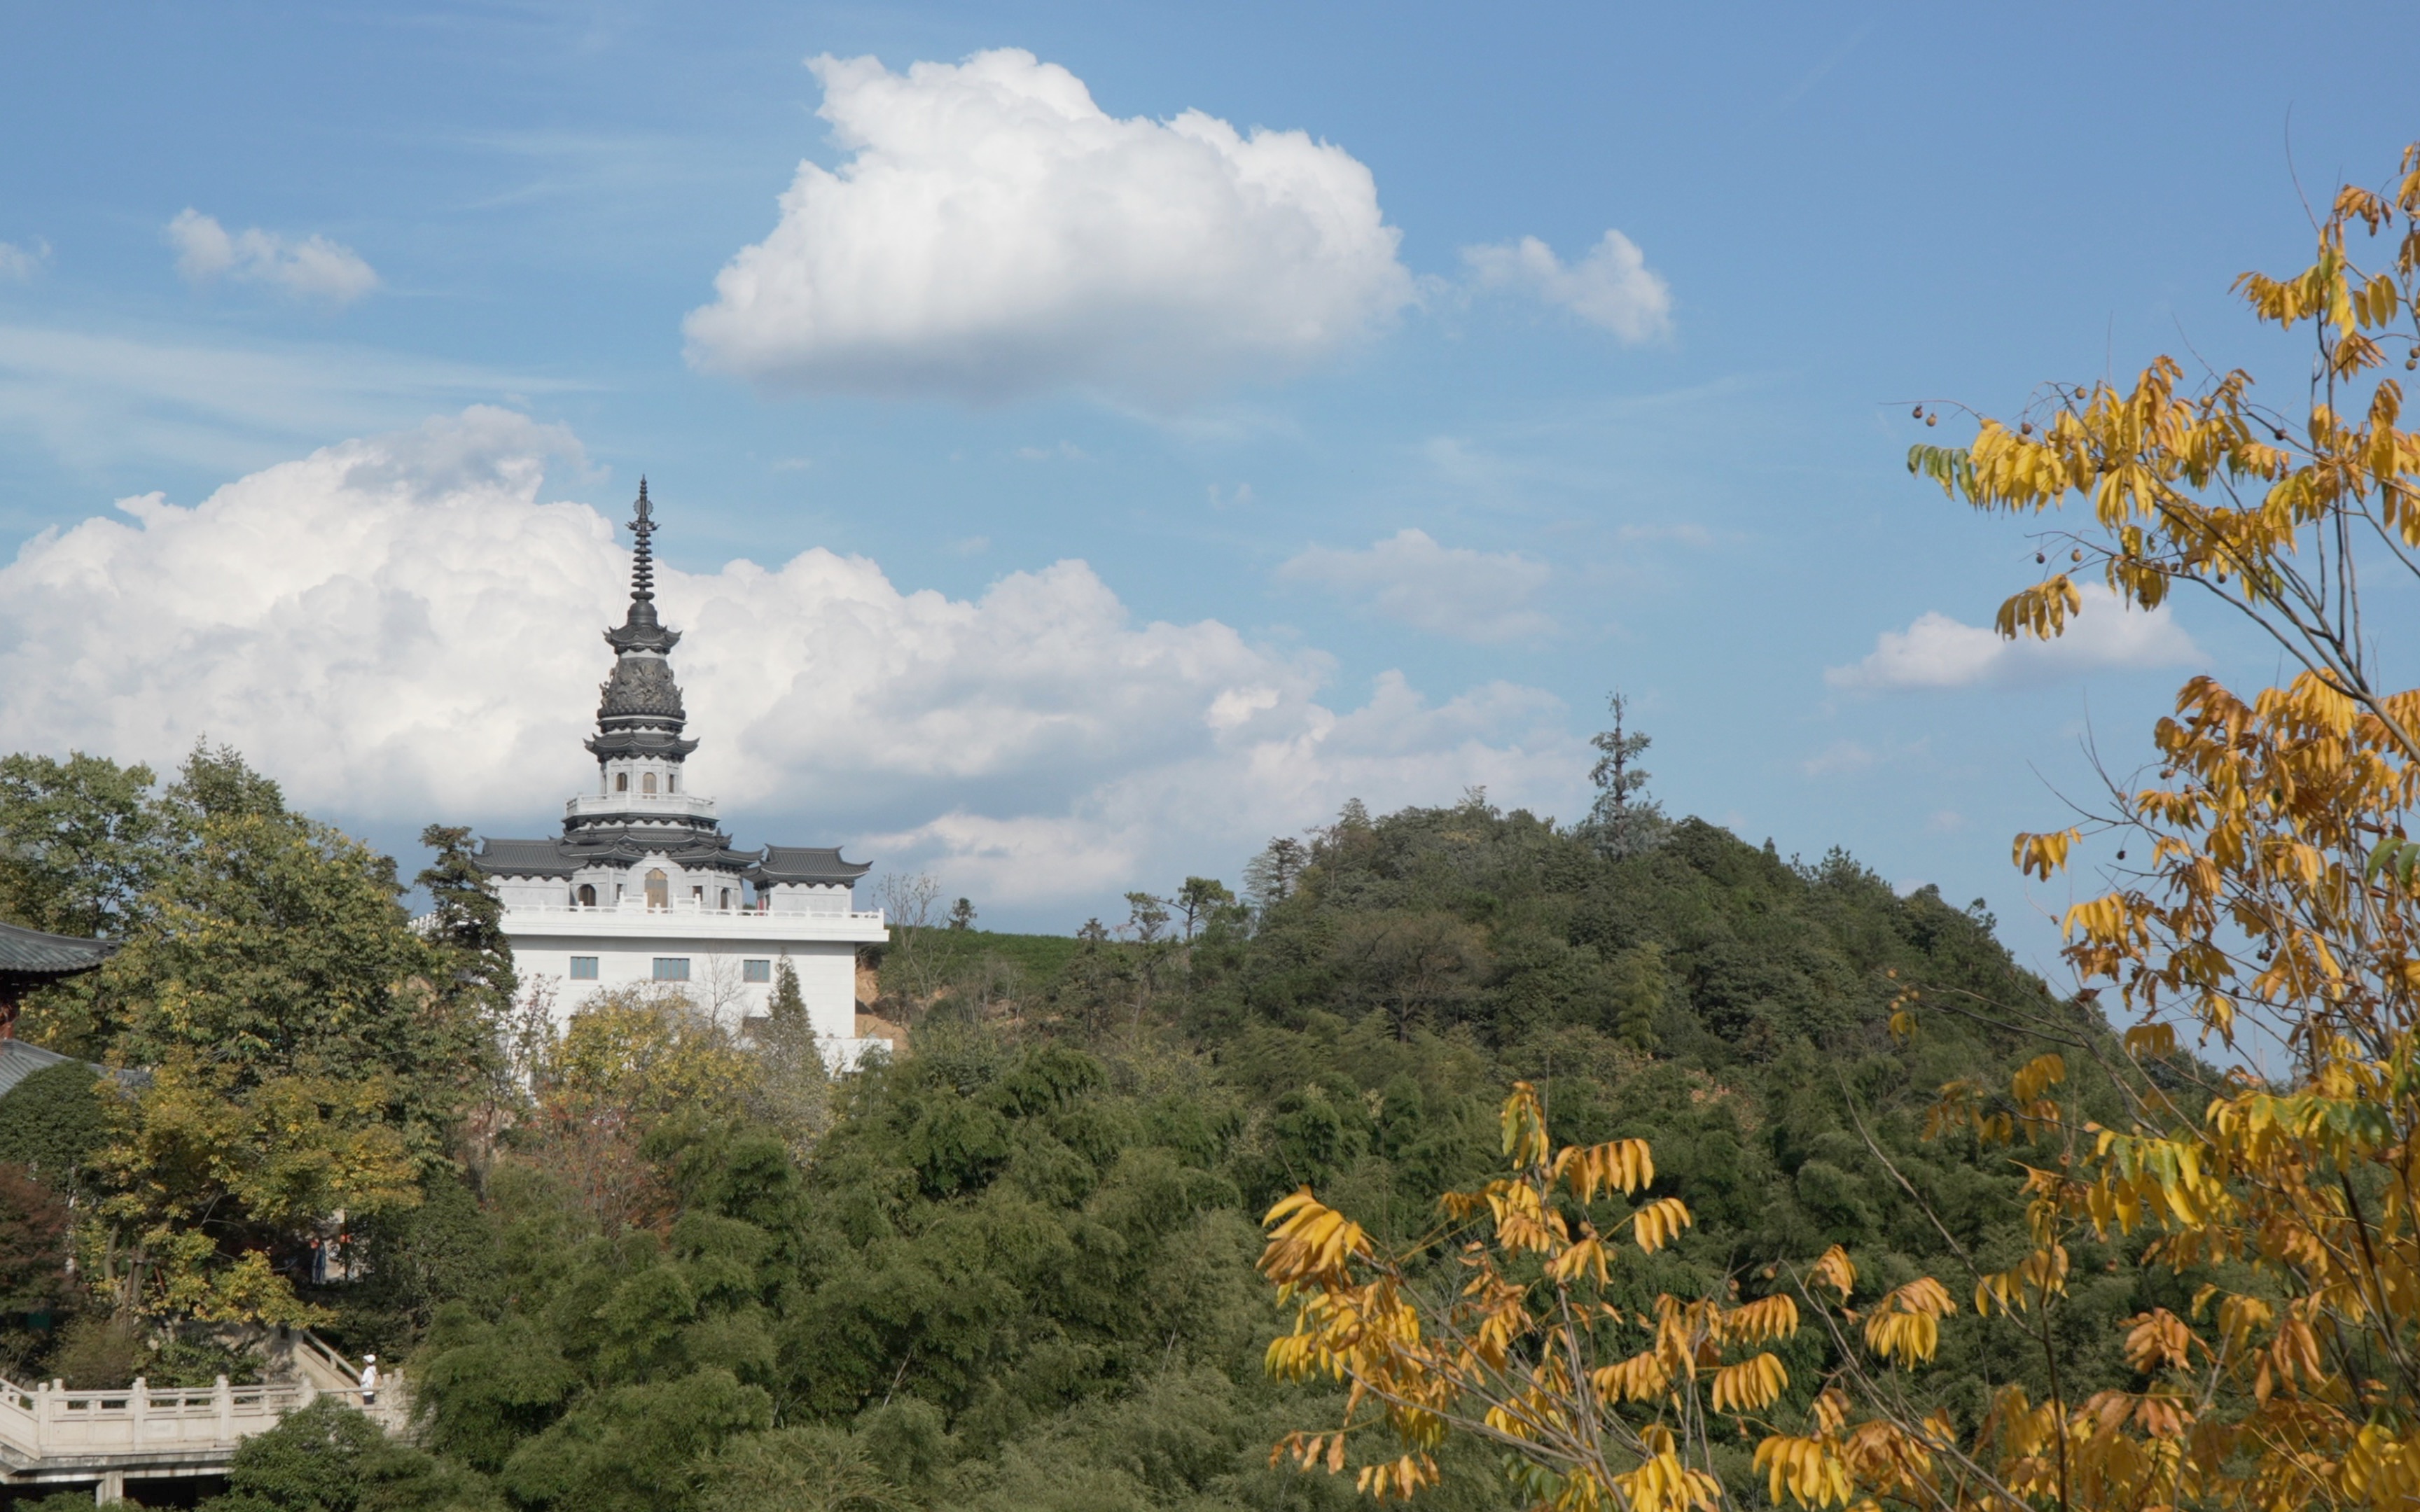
[919, 959]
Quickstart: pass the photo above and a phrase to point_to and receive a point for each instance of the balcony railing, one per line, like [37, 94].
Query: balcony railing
[640, 803]
[630, 907]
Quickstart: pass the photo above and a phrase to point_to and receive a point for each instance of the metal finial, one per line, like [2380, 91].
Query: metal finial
[641, 630]
[643, 560]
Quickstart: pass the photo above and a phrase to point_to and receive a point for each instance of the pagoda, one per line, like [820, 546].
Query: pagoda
[643, 886]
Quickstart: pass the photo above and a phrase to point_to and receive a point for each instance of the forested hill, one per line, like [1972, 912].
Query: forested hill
[1726, 1003]
[1014, 1268]
[1015, 1271]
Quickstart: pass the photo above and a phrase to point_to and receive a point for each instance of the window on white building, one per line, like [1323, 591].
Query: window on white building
[726, 897]
[583, 968]
[672, 781]
[587, 895]
[647, 784]
[621, 781]
[756, 970]
[671, 968]
[660, 889]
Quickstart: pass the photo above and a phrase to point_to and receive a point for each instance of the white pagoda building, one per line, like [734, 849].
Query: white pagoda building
[644, 886]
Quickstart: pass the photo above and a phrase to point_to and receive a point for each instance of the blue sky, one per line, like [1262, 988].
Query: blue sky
[1683, 480]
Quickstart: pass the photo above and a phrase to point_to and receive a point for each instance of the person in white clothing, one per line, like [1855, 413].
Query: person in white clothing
[369, 1380]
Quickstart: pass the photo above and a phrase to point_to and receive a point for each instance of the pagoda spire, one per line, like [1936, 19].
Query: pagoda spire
[643, 560]
[641, 714]
[641, 630]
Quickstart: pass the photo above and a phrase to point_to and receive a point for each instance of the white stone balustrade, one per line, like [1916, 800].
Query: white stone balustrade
[691, 908]
[50, 1420]
[649, 804]
[52, 1436]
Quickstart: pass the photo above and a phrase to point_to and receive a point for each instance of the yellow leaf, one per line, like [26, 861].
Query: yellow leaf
[1750, 1386]
[1659, 1223]
[2026, 1086]
[2041, 854]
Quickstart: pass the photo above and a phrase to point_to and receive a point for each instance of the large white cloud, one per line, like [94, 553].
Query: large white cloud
[1937, 652]
[399, 630]
[994, 233]
[1453, 591]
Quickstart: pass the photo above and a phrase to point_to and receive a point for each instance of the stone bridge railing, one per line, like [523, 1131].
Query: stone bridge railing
[50, 1435]
[49, 1421]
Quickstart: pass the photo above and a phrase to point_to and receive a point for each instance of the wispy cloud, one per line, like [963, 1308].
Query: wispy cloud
[1838, 759]
[95, 399]
[1848, 758]
[1823, 66]
[1677, 534]
[1451, 591]
[18, 264]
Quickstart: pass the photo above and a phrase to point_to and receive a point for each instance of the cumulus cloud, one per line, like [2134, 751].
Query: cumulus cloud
[1612, 288]
[313, 267]
[1937, 652]
[18, 264]
[1453, 591]
[399, 630]
[994, 233]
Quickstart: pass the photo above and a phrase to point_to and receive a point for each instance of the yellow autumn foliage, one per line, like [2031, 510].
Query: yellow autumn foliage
[1521, 1346]
[2275, 916]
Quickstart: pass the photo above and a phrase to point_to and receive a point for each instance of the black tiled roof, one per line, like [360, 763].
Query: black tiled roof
[19, 1060]
[30, 952]
[805, 863]
[694, 849]
[524, 858]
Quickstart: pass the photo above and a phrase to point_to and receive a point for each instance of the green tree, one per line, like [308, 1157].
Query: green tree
[308, 1050]
[1269, 877]
[638, 1448]
[793, 1089]
[81, 841]
[51, 1122]
[962, 914]
[276, 945]
[804, 1469]
[466, 917]
[632, 1062]
[1146, 916]
[1201, 901]
[1641, 986]
[328, 1457]
[33, 1245]
[1623, 821]
[436, 1252]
